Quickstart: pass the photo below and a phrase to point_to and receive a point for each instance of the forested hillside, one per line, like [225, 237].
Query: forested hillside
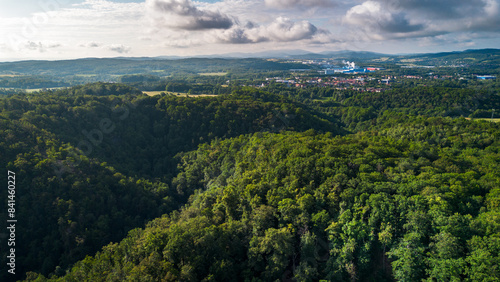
[360, 110]
[305, 184]
[96, 161]
[146, 132]
[305, 206]
[107, 67]
[64, 216]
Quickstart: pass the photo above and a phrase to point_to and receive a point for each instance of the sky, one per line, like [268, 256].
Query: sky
[68, 29]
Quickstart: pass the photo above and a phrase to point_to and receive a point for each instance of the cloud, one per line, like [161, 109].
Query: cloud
[403, 19]
[91, 44]
[287, 4]
[182, 21]
[235, 35]
[40, 47]
[286, 30]
[446, 16]
[488, 19]
[439, 9]
[281, 30]
[33, 46]
[378, 22]
[464, 40]
[5, 48]
[183, 15]
[119, 48]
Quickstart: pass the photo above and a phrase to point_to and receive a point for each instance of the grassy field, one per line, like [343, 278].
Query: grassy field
[41, 89]
[410, 60]
[486, 119]
[33, 89]
[489, 119]
[213, 73]
[383, 59]
[153, 93]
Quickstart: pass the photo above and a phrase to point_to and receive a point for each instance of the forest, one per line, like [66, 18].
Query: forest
[254, 184]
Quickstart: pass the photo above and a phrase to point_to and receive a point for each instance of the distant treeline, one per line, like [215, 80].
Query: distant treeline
[30, 82]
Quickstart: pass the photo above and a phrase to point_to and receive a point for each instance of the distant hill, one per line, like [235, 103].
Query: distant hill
[108, 68]
[344, 54]
[484, 57]
[122, 66]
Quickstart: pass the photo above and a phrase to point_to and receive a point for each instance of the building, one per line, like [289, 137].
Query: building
[486, 77]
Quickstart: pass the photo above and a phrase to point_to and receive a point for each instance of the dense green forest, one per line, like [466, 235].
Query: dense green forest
[359, 110]
[253, 185]
[24, 82]
[373, 206]
[95, 161]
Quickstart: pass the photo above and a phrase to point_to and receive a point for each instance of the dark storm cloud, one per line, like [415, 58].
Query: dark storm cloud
[182, 14]
[398, 23]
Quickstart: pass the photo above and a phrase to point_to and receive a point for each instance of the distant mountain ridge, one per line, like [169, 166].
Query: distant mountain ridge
[233, 61]
[304, 54]
[288, 54]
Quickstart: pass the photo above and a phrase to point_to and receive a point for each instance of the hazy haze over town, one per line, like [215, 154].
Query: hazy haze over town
[64, 29]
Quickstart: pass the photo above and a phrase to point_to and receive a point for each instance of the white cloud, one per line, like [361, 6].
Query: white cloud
[91, 44]
[41, 47]
[281, 30]
[119, 48]
[379, 23]
[290, 4]
[285, 30]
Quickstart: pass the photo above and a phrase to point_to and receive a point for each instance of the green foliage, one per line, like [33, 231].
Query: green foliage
[252, 186]
[62, 219]
[301, 205]
[432, 101]
[30, 82]
[79, 185]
